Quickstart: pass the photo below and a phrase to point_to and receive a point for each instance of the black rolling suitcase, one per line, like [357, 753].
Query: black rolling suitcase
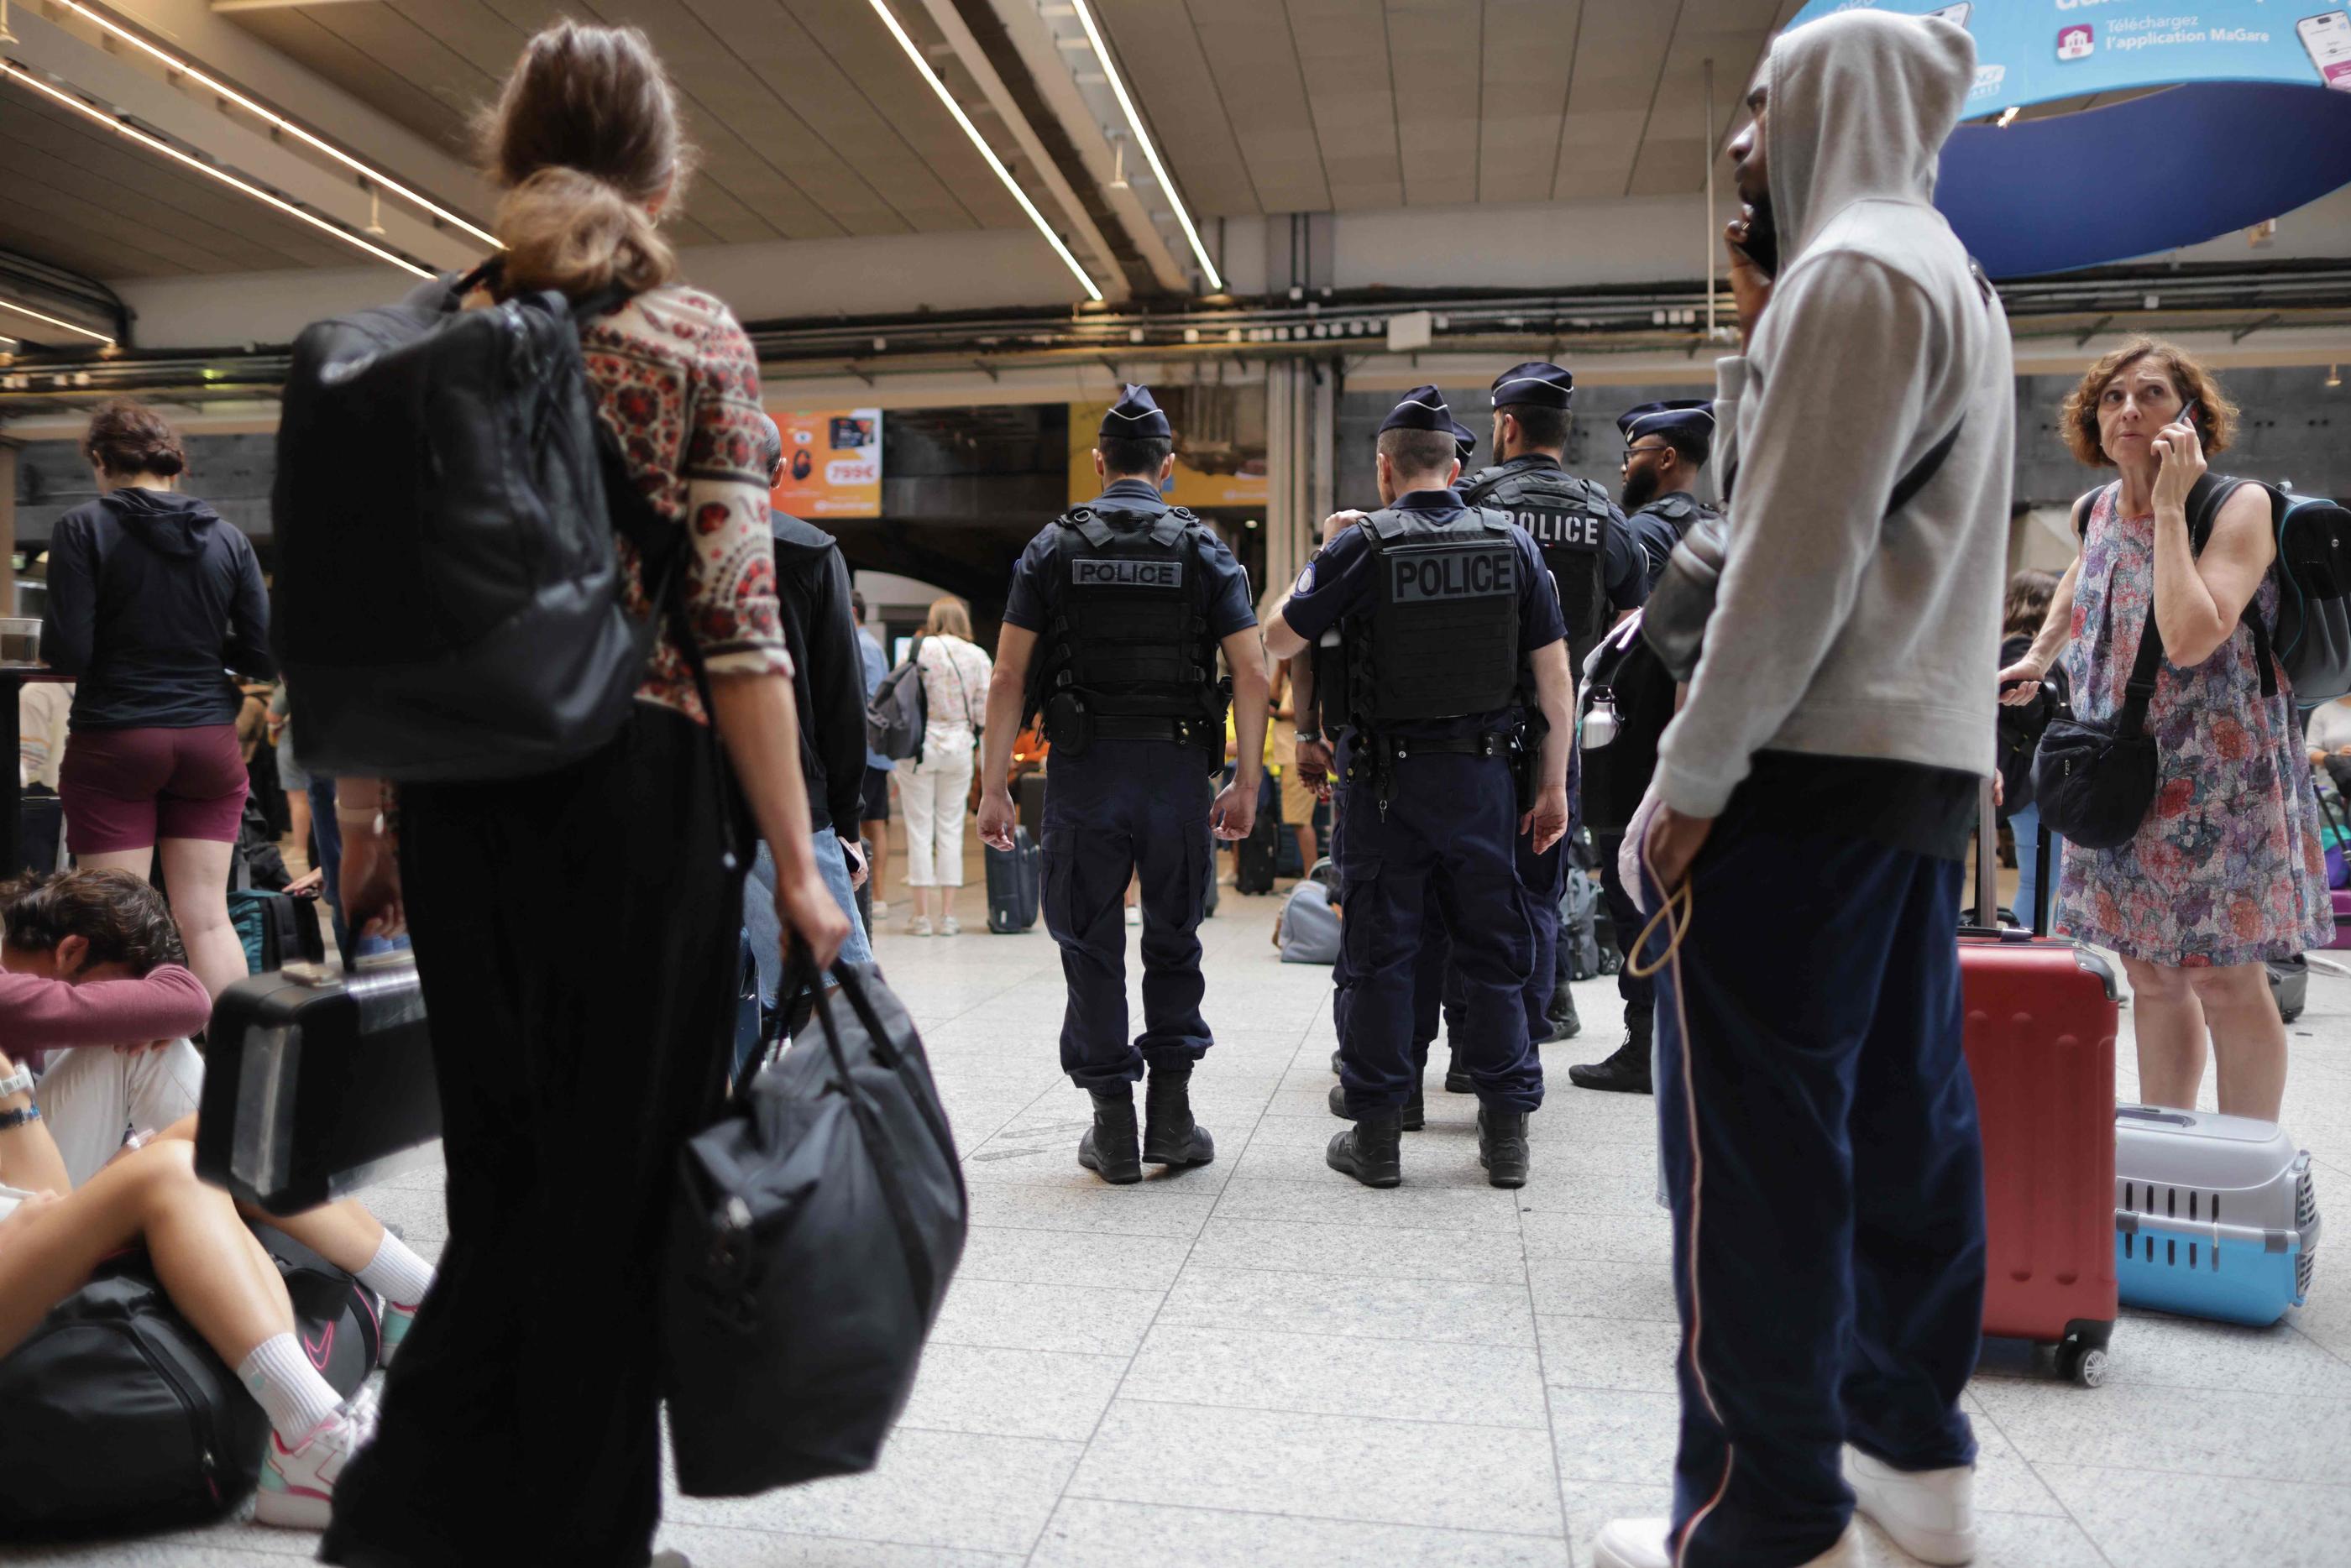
[317, 1080]
[1015, 884]
[1260, 853]
[1031, 804]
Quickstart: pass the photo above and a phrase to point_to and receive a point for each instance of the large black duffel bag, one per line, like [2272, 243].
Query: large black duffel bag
[122, 1421]
[818, 1224]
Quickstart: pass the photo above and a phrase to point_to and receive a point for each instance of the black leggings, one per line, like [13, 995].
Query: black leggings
[576, 936]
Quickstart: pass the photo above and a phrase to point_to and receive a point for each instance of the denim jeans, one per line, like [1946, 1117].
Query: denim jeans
[767, 933]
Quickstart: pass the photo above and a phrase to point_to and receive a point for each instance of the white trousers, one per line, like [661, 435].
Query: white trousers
[93, 1096]
[933, 797]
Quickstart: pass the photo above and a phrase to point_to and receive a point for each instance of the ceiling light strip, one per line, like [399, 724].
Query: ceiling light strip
[915, 53]
[271, 118]
[11, 306]
[156, 143]
[1142, 136]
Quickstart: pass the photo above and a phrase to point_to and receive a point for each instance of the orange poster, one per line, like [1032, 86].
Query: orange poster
[832, 462]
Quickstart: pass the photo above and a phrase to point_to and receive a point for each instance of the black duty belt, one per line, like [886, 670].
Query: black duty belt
[1135, 727]
[1495, 744]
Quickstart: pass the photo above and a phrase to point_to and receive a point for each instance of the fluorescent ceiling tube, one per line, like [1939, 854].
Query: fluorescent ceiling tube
[1142, 139]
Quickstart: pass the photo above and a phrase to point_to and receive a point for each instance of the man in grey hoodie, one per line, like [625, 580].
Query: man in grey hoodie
[1813, 802]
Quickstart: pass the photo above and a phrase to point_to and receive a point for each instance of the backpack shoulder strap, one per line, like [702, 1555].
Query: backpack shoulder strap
[2081, 504]
[1087, 524]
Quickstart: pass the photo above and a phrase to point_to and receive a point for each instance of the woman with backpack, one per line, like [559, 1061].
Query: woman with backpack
[935, 786]
[2225, 871]
[150, 595]
[576, 930]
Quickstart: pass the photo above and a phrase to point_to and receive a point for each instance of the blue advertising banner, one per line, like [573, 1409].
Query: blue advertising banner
[2256, 122]
[2031, 51]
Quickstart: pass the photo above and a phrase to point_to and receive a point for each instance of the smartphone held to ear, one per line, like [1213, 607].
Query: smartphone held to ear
[1759, 239]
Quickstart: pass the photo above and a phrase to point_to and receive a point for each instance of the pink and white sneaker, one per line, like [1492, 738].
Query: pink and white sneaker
[297, 1484]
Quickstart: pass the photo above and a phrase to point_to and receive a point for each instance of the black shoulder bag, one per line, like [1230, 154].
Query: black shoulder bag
[2095, 781]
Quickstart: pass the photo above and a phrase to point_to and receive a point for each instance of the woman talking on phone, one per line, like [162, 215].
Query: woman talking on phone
[576, 931]
[2226, 870]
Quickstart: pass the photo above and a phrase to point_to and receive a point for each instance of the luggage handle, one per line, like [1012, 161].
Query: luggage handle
[2152, 1114]
[1987, 878]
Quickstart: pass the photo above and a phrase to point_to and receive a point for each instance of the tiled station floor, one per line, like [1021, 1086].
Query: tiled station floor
[1259, 1363]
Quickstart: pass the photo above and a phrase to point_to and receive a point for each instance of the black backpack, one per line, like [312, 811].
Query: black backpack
[122, 1421]
[448, 595]
[2311, 639]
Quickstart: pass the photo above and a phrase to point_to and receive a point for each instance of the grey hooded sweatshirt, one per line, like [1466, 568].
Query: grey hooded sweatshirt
[1839, 632]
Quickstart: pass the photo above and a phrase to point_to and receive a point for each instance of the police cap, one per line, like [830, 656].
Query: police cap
[1422, 409]
[1464, 443]
[1535, 383]
[1695, 415]
[1134, 417]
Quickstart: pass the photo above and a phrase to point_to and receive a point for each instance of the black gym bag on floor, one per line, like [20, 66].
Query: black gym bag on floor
[122, 1421]
[817, 1226]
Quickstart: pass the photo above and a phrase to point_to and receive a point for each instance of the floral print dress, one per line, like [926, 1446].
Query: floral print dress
[2227, 868]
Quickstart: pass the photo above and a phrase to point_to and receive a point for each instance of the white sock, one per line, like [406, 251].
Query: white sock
[281, 1378]
[397, 1274]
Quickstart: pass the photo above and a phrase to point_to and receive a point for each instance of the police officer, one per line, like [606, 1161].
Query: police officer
[1597, 569]
[1442, 609]
[1116, 613]
[1666, 447]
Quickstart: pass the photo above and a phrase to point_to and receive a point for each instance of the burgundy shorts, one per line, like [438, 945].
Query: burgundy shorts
[131, 789]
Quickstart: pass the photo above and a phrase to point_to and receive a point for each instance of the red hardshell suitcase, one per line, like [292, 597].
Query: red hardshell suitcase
[2040, 1041]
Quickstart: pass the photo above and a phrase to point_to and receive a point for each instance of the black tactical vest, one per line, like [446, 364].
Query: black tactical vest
[1570, 519]
[1130, 634]
[1677, 512]
[1439, 638]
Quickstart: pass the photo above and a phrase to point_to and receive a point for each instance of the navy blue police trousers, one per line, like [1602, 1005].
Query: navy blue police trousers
[1826, 1175]
[1447, 837]
[1128, 809]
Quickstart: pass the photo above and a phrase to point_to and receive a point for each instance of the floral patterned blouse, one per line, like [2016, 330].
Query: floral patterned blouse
[2227, 868]
[678, 384]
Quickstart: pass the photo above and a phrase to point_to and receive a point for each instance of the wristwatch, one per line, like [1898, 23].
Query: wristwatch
[1309, 737]
[19, 1082]
[11, 1120]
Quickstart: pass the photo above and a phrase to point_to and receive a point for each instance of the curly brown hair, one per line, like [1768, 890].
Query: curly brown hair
[123, 919]
[2215, 416]
[126, 438]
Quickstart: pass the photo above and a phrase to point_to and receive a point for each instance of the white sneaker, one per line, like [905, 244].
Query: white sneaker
[297, 1484]
[1930, 1514]
[919, 925]
[1135, 914]
[1641, 1543]
[881, 911]
[950, 926]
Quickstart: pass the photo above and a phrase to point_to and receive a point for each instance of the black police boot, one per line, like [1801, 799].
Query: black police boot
[1413, 1116]
[1564, 1023]
[1108, 1148]
[1502, 1145]
[1626, 1072]
[1170, 1136]
[1369, 1150]
[1457, 1076]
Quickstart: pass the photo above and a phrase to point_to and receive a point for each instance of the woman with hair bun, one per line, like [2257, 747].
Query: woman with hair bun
[576, 933]
[153, 599]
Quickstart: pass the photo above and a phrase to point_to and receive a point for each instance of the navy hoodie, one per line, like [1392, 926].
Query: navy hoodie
[153, 600]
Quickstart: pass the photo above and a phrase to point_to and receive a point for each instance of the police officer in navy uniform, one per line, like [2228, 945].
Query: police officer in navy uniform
[1116, 615]
[1666, 446]
[1446, 621]
[1598, 572]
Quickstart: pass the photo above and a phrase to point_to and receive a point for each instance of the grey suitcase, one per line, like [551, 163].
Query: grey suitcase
[2214, 1216]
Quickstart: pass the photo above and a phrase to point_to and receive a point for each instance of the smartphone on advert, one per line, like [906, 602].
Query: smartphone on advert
[2326, 38]
[1958, 13]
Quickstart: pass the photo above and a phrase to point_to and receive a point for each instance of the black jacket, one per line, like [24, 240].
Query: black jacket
[829, 677]
[153, 600]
